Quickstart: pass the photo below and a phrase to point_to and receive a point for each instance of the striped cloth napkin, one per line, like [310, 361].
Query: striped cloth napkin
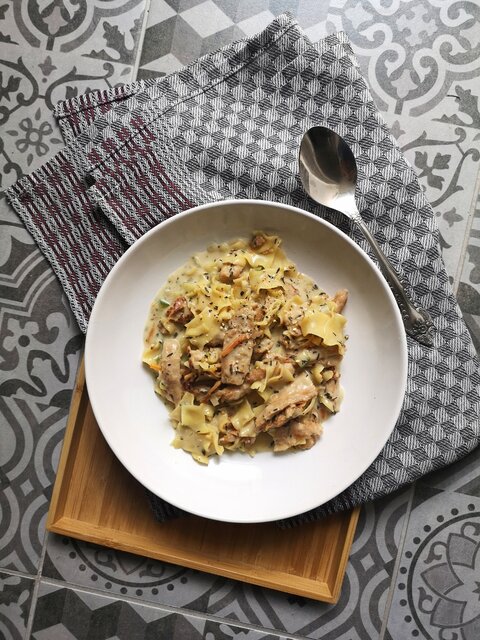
[230, 125]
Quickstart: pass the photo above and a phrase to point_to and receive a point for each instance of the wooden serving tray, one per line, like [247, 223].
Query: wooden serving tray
[97, 500]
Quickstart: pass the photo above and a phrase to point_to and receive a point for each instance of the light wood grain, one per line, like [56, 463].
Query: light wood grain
[97, 500]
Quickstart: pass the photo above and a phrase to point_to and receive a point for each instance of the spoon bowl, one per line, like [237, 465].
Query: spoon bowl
[328, 172]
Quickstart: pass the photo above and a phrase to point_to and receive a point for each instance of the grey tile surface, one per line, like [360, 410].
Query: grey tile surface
[15, 599]
[437, 588]
[36, 71]
[39, 341]
[410, 574]
[63, 613]
[469, 288]
[39, 350]
[31, 438]
[33, 81]
[95, 567]
[447, 162]
[414, 53]
[179, 32]
[98, 30]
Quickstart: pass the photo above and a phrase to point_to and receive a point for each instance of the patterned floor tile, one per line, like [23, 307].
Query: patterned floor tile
[221, 39]
[39, 340]
[207, 18]
[158, 11]
[31, 434]
[469, 288]
[108, 31]
[69, 614]
[92, 566]
[361, 607]
[413, 53]
[436, 594]
[460, 106]
[39, 350]
[159, 67]
[447, 162]
[178, 32]
[32, 81]
[15, 601]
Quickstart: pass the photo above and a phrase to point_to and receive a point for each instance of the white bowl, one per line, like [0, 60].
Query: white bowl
[235, 487]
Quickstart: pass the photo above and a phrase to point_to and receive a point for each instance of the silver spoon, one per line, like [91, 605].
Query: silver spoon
[328, 172]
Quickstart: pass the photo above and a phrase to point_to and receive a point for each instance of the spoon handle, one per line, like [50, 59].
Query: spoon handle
[418, 323]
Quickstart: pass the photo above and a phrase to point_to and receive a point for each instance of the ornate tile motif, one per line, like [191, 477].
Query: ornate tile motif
[437, 589]
[413, 53]
[32, 434]
[91, 566]
[39, 340]
[446, 159]
[469, 287]
[108, 31]
[32, 81]
[78, 615]
[15, 600]
[39, 350]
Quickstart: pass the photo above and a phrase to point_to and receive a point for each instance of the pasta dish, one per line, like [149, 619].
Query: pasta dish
[245, 350]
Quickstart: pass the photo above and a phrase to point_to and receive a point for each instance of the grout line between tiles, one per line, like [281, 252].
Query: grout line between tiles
[36, 588]
[396, 567]
[466, 238]
[17, 574]
[141, 38]
[284, 635]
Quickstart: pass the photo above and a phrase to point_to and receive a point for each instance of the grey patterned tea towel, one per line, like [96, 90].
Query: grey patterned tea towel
[230, 126]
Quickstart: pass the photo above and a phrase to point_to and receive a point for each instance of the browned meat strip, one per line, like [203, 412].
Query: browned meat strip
[254, 375]
[301, 433]
[229, 272]
[237, 348]
[263, 346]
[217, 340]
[287, 403]
[170, 370]
[179, 311]
[233, 393]
[199, 390]
[340, 299]
[231, 439]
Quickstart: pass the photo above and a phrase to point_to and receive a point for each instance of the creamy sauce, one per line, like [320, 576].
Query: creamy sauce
[240, 324]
